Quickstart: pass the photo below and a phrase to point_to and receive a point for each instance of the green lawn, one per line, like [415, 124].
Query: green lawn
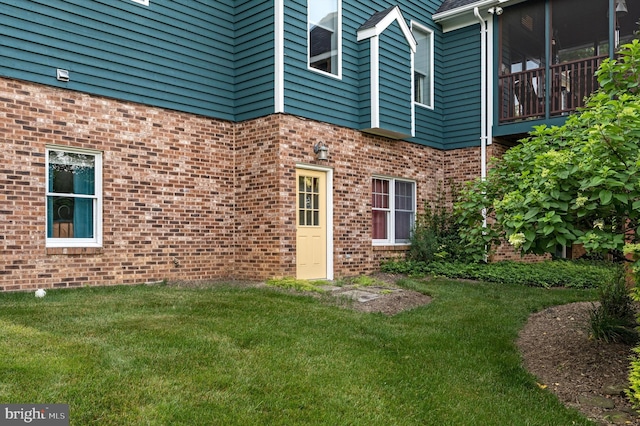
[160, 355]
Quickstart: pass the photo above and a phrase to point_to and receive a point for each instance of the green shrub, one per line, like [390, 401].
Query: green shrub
[634, 379]
[615, 298]
[634, 370]
[573, 274]
[435, 236]
[613, 319]
[610, 329]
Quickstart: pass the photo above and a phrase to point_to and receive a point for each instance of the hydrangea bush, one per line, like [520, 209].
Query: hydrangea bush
[576, 183]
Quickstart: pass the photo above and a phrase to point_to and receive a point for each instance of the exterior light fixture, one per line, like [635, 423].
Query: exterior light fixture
[321, 151]
[621, 8]
[497, 10]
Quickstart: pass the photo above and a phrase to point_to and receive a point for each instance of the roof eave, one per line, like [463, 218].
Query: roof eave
[462, 16]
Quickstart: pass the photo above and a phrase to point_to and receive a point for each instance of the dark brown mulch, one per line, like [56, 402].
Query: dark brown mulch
[556, 348]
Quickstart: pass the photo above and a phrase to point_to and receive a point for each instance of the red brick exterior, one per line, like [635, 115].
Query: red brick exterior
[187, 197]
[266, 193]
[168, 190]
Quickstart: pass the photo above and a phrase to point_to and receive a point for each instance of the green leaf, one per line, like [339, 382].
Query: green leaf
[561, 239]
[636, 205]
[623, 198]
[531, 213]
[530, 234]
[605, 196]
[596, 180]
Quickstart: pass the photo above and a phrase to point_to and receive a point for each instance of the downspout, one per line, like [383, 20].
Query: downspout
[483, 102]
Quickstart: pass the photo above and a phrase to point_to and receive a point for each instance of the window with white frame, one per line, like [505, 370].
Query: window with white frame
[74, 197]
[423, 65]
[324, 35]
[393, 207]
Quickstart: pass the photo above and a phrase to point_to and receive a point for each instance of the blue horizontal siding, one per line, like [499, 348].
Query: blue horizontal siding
[461, 84]
[254, 55]
[314, 94]
[346, 101]
[173, 54]
[217, 59]
[395, 81]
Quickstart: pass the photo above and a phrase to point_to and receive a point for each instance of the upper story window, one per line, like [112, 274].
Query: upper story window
[393, 207]
[325, 34]
[423, 66]
[74, 198]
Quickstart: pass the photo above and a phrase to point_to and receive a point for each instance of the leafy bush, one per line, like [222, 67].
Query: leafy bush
[436, 236]
[573, 274]
[575, 183]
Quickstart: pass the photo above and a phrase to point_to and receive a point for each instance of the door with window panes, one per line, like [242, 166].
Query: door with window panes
[311, 224]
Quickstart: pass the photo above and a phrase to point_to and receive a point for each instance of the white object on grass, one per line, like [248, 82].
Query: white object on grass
[40, 293]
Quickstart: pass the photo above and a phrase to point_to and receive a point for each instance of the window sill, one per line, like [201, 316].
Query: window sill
[389, 247]
[73, 250]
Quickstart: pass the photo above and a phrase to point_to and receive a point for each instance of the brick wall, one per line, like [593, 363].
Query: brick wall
[354, 157]
[186, 197]
[168, 208]
[266, 227]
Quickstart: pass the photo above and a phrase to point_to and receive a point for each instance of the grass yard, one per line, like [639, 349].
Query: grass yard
[161, 355]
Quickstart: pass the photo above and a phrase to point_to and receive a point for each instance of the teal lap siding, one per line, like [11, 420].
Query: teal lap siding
[395, 81]
[174, 54]
[461, 83]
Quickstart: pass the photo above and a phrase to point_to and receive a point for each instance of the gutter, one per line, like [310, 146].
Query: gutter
[484, 135]
[462, 10]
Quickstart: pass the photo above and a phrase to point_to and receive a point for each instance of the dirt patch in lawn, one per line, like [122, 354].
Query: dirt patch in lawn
[382, 295]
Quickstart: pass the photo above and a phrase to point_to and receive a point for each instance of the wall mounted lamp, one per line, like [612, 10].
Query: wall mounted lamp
[621, 8]
[496, 10]
[321, 151]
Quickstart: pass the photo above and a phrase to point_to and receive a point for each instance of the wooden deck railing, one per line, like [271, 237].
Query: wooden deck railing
[522, 94]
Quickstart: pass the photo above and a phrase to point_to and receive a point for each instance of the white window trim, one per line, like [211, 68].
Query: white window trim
[96, 241]
[372, 34]
[278, 75]
[338, 75]
[142, 2]
[391, 229]
[425, 29]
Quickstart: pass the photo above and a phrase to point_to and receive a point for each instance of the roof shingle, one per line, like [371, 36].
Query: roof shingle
[453, 4]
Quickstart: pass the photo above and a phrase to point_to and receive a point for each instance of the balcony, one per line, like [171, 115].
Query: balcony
[524, 95]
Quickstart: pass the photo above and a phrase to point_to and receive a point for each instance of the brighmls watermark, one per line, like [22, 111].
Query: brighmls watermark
[34, 414]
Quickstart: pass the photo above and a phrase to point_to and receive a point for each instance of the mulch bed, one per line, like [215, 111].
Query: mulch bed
[556, 348]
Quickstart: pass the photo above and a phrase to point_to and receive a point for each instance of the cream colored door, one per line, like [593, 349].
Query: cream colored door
[311, 223]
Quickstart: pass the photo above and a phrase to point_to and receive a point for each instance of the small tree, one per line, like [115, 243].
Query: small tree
[577, 183]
